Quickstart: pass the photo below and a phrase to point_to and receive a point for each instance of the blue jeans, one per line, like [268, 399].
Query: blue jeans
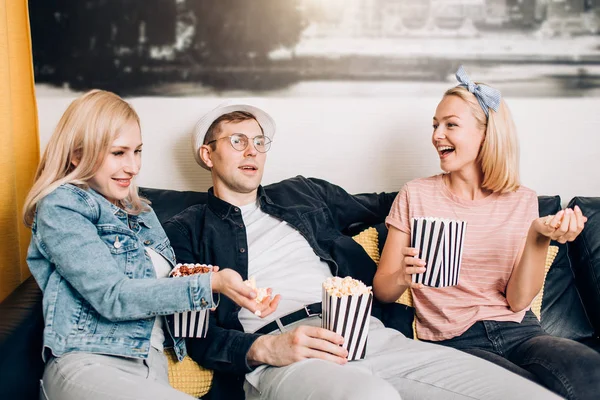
[564, 366]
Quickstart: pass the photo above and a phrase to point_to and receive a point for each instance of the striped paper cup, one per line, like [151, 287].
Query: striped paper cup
[190, 324]
[440, 244]
[349, 316]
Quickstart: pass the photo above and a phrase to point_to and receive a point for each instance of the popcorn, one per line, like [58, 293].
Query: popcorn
[190, 269]
[347, 286]
[261, 293]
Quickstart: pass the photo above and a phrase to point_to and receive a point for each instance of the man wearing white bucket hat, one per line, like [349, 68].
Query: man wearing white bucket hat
[288, 236]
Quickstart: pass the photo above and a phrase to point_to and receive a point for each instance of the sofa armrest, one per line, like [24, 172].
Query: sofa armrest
[21, 332]
[584, 253]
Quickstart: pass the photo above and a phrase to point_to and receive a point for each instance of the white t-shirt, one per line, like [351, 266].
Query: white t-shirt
[162, 268]
[280, 258]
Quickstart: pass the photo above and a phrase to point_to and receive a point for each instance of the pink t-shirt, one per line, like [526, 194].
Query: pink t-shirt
[496, 230]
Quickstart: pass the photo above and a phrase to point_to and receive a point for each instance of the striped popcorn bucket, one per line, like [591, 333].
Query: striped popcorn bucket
[440, 244]
[349, 316]
[190, 324]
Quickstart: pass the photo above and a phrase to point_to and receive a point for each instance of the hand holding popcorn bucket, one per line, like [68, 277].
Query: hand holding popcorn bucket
[440, 244]
[346, 309]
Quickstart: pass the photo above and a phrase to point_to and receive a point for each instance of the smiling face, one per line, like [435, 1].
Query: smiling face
[236, 174]
[457, 135]
[113, 179]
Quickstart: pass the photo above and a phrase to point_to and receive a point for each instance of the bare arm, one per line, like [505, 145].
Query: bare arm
[398, 263]
[528, 274]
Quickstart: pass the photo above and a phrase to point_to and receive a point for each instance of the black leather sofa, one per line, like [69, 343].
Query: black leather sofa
[570, 308]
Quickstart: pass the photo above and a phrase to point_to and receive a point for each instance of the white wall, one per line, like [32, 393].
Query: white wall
[364, 144]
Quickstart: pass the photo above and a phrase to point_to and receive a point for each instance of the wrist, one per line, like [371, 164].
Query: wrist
[538, 237]
[215, 282]
[403, 281]
[256, 352]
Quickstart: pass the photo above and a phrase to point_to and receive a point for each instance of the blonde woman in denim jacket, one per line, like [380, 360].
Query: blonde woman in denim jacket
[97, 251]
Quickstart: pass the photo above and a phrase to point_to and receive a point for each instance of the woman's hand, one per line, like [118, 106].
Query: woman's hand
[230, 283]
[409, 266]
[396, 267]
[563, 227]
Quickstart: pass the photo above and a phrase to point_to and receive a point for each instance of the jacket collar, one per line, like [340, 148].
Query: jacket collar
[118, 211]
[223, 208]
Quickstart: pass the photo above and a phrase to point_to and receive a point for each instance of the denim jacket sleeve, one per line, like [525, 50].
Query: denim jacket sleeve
[66, 234]
[347, 209]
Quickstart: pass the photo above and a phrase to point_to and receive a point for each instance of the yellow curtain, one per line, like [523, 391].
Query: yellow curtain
[19, 142]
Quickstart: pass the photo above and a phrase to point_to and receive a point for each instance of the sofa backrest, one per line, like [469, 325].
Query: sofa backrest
[168, 203]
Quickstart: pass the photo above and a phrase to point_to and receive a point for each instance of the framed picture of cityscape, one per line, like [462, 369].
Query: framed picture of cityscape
[307, 47]
[533, 48]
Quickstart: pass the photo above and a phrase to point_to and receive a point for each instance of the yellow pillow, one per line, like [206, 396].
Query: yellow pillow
[187, 376]
[536, 305]
[369, 240]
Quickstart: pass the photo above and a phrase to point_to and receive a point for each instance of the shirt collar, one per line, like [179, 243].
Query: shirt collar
[223, 208]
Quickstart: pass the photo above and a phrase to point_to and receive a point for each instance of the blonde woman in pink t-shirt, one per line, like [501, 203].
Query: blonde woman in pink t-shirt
[487, 314]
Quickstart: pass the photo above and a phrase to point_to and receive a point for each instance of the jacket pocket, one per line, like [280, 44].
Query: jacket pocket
[125, 248]
[87, 318]
[118, 240]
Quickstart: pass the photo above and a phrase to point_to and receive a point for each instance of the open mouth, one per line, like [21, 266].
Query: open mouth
[445, 150]
[248, 168]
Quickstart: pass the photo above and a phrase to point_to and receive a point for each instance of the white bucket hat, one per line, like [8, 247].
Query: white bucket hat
[264, 120]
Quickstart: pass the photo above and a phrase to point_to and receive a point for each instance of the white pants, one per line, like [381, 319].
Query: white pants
[395, 368]
[78, 376]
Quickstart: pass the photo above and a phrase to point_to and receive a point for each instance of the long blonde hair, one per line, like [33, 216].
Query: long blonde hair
[499, 154]
[83, 135]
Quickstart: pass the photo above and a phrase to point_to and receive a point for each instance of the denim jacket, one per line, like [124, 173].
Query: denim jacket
[100, 292]
[214, 233]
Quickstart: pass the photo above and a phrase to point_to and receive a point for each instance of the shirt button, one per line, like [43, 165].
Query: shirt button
[147, 242]
[241, 225]
[236, 209]
[242, 250]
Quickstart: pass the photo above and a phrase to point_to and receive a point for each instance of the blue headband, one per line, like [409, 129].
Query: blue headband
[487, 96]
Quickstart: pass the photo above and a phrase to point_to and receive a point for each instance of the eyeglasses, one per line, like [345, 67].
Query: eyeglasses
[239, 141]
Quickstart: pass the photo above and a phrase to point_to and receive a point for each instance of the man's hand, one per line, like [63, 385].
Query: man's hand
[230, 283]
[299, 344]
